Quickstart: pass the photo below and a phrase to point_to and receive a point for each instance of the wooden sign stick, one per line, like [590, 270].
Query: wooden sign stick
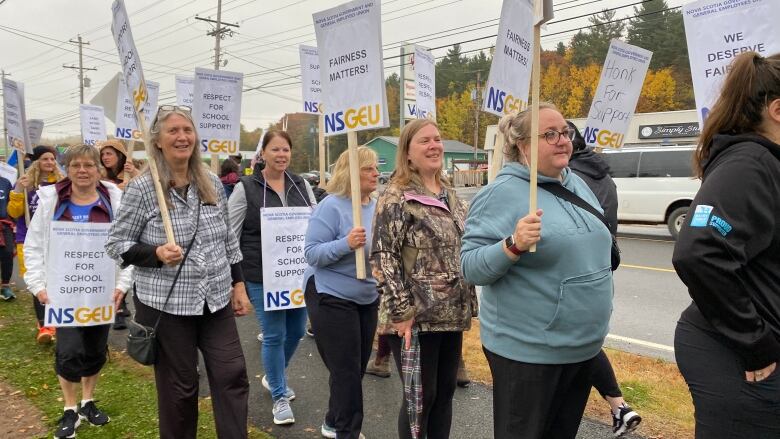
[354, 180]
[535, 83]
[166, 217]
[321, 144]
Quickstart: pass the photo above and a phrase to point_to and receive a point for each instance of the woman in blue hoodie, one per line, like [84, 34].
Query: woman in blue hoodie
[544, 314]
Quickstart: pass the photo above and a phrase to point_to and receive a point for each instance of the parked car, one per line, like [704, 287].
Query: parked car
[317, 174]
[313, 179]
[384, 177]
[655, 184]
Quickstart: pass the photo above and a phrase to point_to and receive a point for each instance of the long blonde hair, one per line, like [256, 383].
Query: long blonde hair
[404, 171]
[197, 172]
[339, 184]
[34, 173]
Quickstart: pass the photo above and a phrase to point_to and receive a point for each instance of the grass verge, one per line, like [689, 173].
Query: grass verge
[125, 391]
[654, 388]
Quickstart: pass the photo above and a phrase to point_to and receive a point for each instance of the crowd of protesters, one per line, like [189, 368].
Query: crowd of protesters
[546, 276]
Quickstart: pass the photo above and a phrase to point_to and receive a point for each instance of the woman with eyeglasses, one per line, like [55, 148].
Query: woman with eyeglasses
[544, 314]
[200, 313]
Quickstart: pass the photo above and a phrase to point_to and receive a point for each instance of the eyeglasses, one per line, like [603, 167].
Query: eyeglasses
[552, 137]
[86, 166]
[185, 108]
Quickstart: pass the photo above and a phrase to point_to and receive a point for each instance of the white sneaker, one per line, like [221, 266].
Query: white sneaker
[260, 337]
[330, 432]
[282, 412]
[288, 393]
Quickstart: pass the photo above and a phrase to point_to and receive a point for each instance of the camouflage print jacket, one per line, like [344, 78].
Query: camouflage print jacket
[415, 258]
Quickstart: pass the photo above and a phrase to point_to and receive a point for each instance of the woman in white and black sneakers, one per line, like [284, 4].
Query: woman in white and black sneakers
[727, 342]
[200, 313]
[80, 351]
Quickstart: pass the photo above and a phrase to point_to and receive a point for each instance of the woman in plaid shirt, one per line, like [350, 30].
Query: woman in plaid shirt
[209, 292]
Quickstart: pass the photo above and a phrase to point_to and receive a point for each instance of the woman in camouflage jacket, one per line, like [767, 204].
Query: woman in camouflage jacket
[415, 259]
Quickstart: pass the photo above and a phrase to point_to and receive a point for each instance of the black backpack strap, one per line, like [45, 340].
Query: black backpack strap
[560, 191]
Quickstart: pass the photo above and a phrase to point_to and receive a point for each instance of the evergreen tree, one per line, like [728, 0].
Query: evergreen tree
[592, 46]
[661, 31]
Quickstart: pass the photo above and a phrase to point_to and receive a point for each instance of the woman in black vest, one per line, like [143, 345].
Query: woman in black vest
[271, 186]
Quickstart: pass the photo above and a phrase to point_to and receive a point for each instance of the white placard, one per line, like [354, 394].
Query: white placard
[128, 55]
[216, 109]
[615, 100]
[510, 72]
[15, 117]
[409, 83]
[184, 90]
[284, 233]
[425, 83]
[126, 124]
[311, 87]
[93, 124]
[35, 131]
[349, 40]
[718, 31]
[80, 277]
[107, 97]
[8, 172]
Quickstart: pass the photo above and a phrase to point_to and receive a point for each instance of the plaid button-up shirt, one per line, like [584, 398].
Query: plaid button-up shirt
[205, 277]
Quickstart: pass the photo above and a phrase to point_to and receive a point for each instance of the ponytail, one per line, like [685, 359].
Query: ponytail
[752, 82]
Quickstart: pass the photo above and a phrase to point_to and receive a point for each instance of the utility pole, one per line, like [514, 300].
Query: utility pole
[218, 33]
[477, 100]
[80, 68]
[3, 74]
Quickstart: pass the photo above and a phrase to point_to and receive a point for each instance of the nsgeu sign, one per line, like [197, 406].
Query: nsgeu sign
[663, 131]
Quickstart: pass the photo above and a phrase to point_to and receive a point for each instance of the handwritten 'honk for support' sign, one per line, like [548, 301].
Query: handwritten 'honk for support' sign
[618, 92]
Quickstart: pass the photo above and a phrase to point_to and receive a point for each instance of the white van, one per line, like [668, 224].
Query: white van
[655, 184]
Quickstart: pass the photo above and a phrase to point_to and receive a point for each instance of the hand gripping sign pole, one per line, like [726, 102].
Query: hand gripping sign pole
[544, 13]
[136, 89]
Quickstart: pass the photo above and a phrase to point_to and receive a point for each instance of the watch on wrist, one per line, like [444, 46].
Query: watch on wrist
[510, 245]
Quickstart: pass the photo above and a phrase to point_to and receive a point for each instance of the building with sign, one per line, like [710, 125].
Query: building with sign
[665, 128]
[386, 146]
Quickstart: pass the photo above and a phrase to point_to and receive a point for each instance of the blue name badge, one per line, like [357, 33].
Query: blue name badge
[701, 216]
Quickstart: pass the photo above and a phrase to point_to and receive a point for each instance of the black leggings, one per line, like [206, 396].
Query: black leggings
[727, 406]
[602, 376]
[7, 255]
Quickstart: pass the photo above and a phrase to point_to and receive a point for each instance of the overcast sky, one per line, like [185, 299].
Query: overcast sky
[34, 45]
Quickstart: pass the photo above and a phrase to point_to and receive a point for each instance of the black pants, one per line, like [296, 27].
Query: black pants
[343, 331]
[602, 376]
[7, 255]
[439, 357]
[39, 310]
[80, 351]
[538, 401]
[179, 338]
[726, 406]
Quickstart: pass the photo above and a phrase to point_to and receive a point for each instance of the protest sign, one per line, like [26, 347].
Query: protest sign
[510, 72]
[284, 233]
[80, 277]
[425, 83]
[8, 172]
[107, 97]
[216, 109]
[128, 55]
[93, 124]
[184, 90]
[718, 31]
[125, 119]
[615, 100]
[310, 79]
[15, 117]
[349, 41]
[35, 131]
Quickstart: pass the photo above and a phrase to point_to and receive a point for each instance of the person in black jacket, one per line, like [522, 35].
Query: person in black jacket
[270, 186]
[727, 342]
[594, 170]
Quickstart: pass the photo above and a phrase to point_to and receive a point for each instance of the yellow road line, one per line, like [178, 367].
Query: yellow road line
[644, 267]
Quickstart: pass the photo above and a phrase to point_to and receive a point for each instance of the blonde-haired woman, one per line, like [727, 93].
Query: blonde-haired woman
[415, 257]
[199, 313]
[342, 308]
[42, 172]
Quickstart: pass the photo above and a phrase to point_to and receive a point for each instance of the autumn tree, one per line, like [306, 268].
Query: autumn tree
[658, 92]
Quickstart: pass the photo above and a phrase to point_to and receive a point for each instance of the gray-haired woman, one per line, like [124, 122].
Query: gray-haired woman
[198, 315]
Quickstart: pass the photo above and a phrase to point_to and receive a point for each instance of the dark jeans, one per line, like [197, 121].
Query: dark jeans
[7, 255]
[179, 338]
[538, 401]
[343, 331]
[439, 358]
[80, 351]
[382, 346]
[726, 406]
[602, 376]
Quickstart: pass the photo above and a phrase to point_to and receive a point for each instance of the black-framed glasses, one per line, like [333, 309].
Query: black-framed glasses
[552, 137]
